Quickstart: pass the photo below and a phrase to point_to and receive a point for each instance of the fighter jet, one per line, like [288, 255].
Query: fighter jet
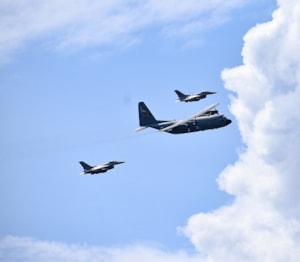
[193, 97]
[208, 118]
[87, 169]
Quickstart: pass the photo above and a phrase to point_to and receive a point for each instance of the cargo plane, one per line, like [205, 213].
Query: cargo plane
[208, 118]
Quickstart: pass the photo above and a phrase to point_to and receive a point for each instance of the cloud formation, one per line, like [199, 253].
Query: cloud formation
[28, 249]
[262, 223]
[79, 24]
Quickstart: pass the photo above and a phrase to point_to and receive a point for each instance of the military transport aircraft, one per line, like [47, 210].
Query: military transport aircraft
[87, 169]
[193, 97]
[206, 119]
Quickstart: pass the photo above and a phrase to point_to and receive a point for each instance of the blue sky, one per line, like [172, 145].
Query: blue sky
[69, 94]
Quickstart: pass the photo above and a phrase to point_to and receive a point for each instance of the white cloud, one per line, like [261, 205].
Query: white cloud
[28, 249]
[83, 23]
[262, 224]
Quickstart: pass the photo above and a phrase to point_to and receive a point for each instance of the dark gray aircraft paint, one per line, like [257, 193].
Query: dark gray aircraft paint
[192, 97]
[206, 119]
[87, 169]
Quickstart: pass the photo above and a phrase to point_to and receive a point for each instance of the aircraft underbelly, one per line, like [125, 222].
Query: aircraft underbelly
[196, 126]
[98, 171]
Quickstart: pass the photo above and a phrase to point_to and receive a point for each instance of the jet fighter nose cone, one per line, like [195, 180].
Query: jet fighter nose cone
[228, 121]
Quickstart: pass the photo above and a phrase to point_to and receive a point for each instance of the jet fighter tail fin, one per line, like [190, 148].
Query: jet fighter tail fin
[145, 116]
[180, 94]
[85, 165]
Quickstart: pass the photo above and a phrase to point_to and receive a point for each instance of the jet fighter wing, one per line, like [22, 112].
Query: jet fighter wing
[181, 122]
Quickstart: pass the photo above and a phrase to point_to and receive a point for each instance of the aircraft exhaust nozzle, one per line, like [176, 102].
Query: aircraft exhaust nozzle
[140, 128]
